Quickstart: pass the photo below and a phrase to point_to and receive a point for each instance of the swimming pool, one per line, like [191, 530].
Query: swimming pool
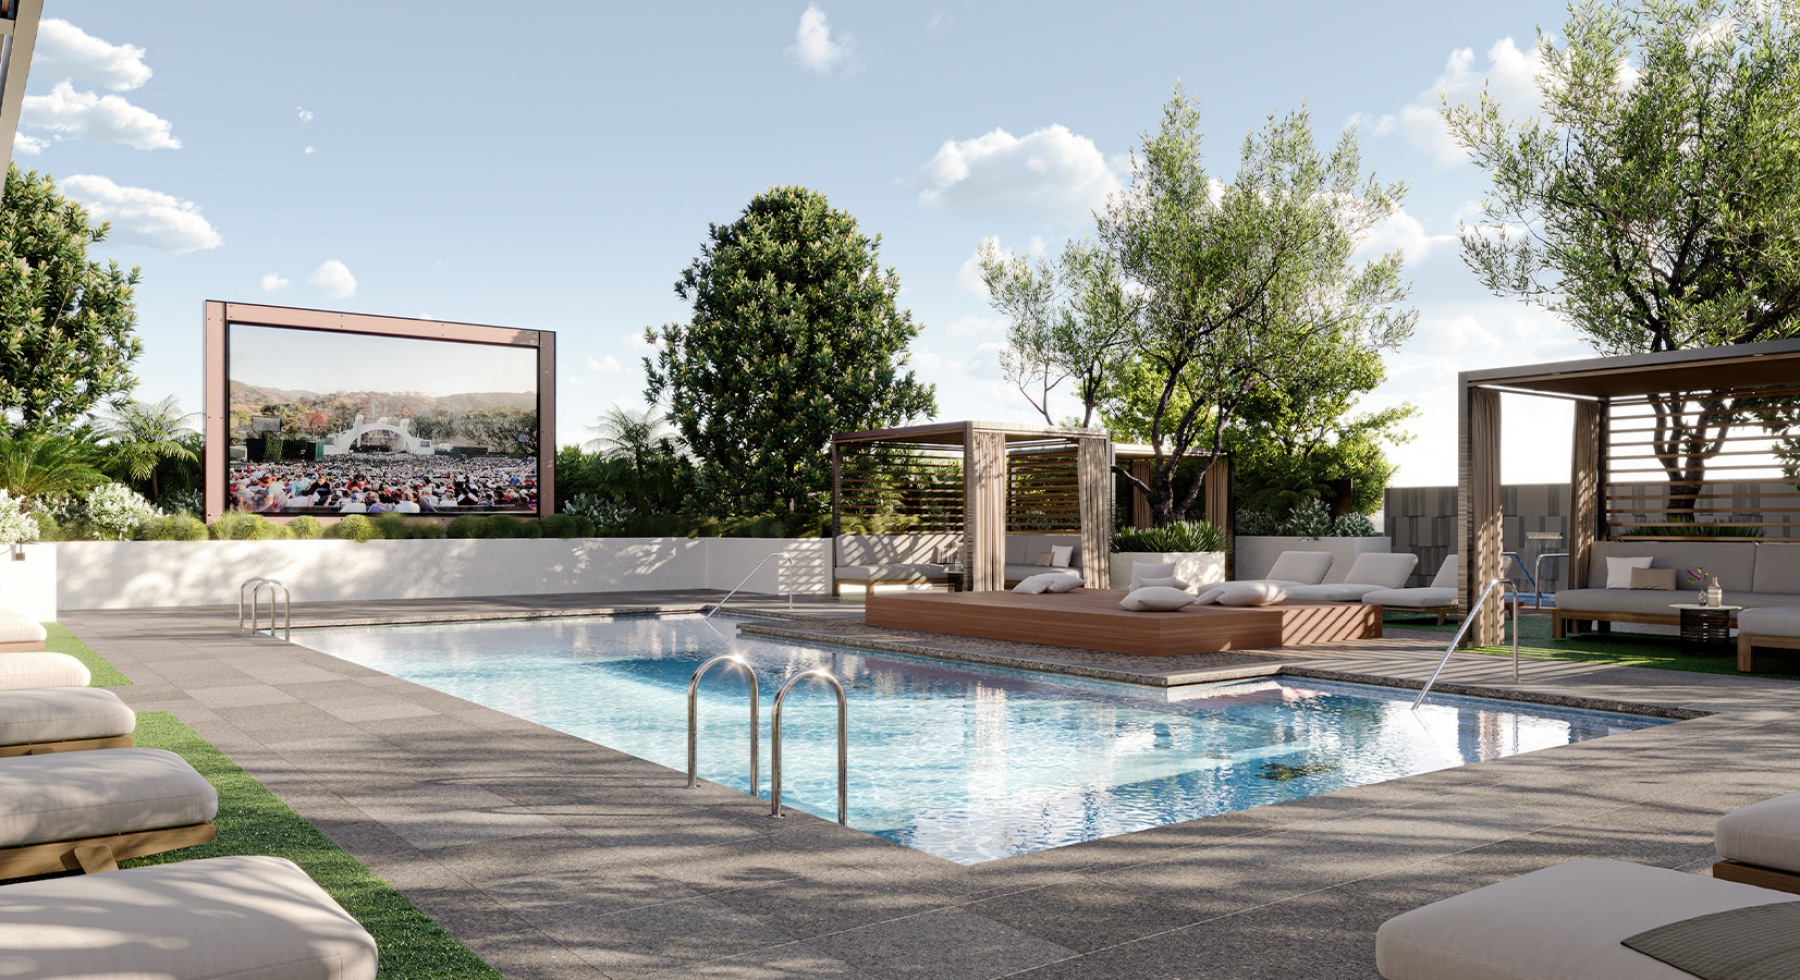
[967, 763]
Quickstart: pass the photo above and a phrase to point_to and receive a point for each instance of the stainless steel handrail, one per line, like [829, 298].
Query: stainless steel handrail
[1537, 578]
[1464, 628]
[843, 740]
[735, 589]
[247, 583]
[287, 607]
[694, 722]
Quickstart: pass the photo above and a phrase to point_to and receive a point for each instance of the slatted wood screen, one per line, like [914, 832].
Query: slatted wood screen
[1721, 463]
[893, 488]
[1043, 493]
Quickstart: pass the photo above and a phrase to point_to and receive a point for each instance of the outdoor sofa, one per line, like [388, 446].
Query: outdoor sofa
[1026, 556]
[892, 559]
[1752, 574]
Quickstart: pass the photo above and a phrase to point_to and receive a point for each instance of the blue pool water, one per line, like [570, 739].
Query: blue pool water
[967, 763]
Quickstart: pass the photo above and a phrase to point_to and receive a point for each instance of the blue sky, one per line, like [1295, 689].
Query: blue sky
[555, 166]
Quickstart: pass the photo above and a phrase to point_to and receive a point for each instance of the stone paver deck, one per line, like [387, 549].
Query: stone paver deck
[552, 857]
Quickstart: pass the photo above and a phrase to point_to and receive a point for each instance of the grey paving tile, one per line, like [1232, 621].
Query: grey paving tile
[241, 696]
[371, 708]
[949, 944]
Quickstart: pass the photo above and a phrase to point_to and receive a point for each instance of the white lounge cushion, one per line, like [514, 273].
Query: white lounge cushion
[245, 917]
[1141, 570]
[19, 628]
[1446, 575]
[1210, 596]
[1389, 571]
[54, 714]
[1252, 594]
[1302, 567]
[1770, 621]
[1618, 570]
[1427, 598]
[23, 670]
[1561, 923]
[1333, 592]
[1765, 833]
[1154, 599]
[83, 794]
[1048, 582]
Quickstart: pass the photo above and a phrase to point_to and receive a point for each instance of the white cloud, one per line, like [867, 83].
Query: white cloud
[305, 114]
[968, 275]
[141, 216]
[70, 114]
[334, 279]
[816, 50]
[1510, 77]
[66, 51]
[1404, 232]
[1048, 175]
[308, 151]
[604, 365]
[28, 145]
[273, 281]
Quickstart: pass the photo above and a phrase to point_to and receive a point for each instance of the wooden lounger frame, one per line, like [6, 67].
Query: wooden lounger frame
[1747, 644]
[1761, 877]
[21, 646]
[66, 745]
[93, 853]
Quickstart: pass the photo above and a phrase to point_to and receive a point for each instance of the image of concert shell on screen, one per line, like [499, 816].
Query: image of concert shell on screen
[330, 423]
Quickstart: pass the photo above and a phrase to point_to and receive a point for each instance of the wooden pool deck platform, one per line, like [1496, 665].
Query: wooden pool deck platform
[1092, 619]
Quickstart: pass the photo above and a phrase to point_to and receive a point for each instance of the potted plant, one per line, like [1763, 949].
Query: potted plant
[1195, 548]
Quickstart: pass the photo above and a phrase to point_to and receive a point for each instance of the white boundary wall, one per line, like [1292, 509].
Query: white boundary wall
[127, 574]
[29, 586]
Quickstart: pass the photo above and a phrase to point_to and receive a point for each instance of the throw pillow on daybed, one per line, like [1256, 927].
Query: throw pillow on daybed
[1210, 596]
[1061, 555]
[1661, 579]
[1048, 582]
[1252, 594]
[1618, 571]
[1166, 582]
[1141, 570]
[1156, 599]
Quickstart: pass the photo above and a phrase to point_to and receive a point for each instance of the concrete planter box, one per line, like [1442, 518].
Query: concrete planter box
[1192, 567]
[1256, 554]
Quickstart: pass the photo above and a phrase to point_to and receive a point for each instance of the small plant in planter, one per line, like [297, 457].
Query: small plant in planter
[1196, 548]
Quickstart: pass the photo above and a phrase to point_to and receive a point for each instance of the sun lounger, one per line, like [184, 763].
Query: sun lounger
[223, 918]
[1293, 568]
[1760, 844]
[1438, 597]
[1565, 922]
[63, 719]
[26, 670]
[20, 633]
[73, 810]
[1370, 573]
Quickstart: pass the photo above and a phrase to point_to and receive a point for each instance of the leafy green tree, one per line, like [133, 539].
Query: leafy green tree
[1070, 321]
[142, 437]
[795, 335]
[66, 323]
[1652, 202]
[1246, 285]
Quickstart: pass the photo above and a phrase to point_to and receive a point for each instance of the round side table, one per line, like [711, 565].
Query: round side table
[1704, 629]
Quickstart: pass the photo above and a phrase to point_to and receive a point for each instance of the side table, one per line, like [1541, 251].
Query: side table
[953, 577]
[1704, 629]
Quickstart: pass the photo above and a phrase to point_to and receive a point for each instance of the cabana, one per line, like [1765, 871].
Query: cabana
[1731, 412]
[967, 485]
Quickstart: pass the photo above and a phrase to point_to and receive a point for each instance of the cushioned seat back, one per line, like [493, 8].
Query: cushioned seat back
[1777, 569]
[1308, 567]
[1733, 563]
[1026, 549]
[1446, 574]
[1385, 571]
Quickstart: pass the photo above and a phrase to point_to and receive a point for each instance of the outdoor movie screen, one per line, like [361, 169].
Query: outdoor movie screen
[330, 422]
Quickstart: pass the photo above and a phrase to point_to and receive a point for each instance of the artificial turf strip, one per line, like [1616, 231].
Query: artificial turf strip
[253, 820]
[61, 640]
[1617, 649]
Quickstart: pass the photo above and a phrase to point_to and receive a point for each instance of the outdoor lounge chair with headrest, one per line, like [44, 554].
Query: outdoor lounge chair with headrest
[63, 719]
[19, 671]
[222, 918]
[1293, 568]
[1438, 597]
[20, 633]
[71, 810]
[1370, 573]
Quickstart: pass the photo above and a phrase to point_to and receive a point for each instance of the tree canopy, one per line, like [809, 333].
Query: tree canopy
[67, 341]
[1246, 286]
[795, 335]
[1653, 201]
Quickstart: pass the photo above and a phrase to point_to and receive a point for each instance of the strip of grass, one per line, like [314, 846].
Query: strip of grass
[253, 820]
[1617, 649]
[61, 640]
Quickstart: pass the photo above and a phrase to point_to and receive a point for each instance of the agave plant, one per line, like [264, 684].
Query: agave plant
[1174, 537]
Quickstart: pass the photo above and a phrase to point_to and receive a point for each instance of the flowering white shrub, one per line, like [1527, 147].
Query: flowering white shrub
[116, 510]
[15, 524]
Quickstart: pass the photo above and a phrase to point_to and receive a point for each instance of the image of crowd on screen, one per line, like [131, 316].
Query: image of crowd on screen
[377, 483]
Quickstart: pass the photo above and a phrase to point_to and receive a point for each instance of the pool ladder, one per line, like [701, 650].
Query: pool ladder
[1464, 628]
[734, 662]
[287, 605]
[780, 567]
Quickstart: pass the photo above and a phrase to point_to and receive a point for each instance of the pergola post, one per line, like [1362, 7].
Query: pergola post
[1585, 480]
[1221, 510]
[984, 510]
[1140, 501]
[1478, 505]
[1093, 468]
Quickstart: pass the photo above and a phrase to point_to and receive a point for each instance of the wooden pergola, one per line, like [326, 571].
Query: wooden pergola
[1064, 473]
[1622, 405]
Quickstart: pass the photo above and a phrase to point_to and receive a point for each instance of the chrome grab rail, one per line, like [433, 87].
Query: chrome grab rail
[287, 607]
[1538, 578]
[1464, 628]
[247, 583]
[746, 580]
[740, 663]
[843, 732]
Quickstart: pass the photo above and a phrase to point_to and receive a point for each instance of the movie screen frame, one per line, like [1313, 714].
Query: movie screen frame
[446, 457]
